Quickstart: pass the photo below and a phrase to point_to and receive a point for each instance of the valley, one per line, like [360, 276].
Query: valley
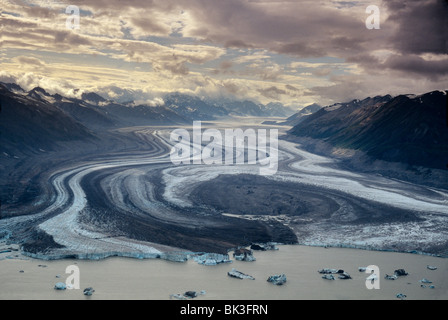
[135, 202]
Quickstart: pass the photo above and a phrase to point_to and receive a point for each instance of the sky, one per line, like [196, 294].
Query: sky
[296, 52]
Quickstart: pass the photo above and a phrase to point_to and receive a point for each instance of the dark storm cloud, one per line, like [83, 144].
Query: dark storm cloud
[237, 44]
[300, 49]
[417, 65]
[299, 28]
[178, 37]
[417, 41]
[272, 92]
[422, 26]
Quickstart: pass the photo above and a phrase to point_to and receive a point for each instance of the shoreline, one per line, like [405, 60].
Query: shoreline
[123, 278]
[184, 256]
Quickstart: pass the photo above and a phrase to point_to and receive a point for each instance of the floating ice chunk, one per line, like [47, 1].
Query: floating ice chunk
[60, 286]
[239, 275]
[424, 280]
[401, 296]
[329, 271]
[278, 279]
[212, 259]
[344, 276]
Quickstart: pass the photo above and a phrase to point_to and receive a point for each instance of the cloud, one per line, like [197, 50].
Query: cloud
[291, 88]
[414, 64]
[226, 65]
[29, 61]
[301, 49]
[142, 26]
[29, 81]
[260, 49]
[234, 87]
[272, 92]
[348, 87]
[6, 77]
[156, 102]
[421, 26]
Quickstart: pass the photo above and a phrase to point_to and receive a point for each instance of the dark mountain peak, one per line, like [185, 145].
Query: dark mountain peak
[313, 107]
[377, 100]
[40, 90]
[29, 122]
[58, 97]
[38, 93]
[3, 87]
[366, 101]
[11, 87]
[432, 95]
[92, 97]
[386, 97]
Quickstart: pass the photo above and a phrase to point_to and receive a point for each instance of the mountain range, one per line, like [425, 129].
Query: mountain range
[36, 119]
[410, 129]
[29, 122]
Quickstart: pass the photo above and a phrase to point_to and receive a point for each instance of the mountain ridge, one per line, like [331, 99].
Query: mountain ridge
[405, 128]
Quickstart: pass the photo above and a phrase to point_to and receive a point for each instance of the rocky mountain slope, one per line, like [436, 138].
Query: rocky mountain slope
[29, 122]
[406, 128]
[300, 116]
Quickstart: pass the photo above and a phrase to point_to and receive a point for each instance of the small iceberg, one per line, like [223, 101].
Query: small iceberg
[60, 286]
[277, 279]
[344, 276]
[244, 255]
[239, 275]
[401, 296]
[88, 291]
[264, 246]
[212, 259]
[400, 272]
[187, 295]
[330, 271]
[392, 277]
[424, 280]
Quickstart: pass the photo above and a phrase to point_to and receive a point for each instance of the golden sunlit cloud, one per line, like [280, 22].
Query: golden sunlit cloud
[243, 49]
